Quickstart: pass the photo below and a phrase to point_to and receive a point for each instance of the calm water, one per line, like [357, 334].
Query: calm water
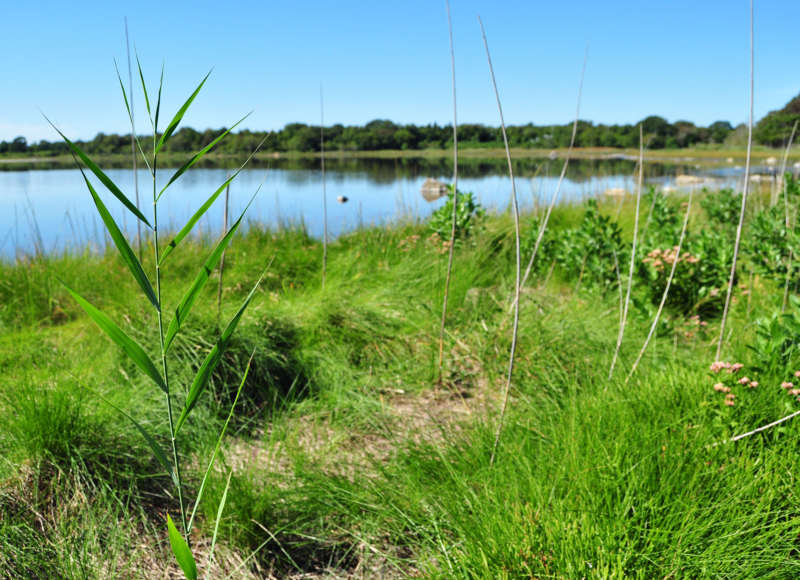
[50, 209]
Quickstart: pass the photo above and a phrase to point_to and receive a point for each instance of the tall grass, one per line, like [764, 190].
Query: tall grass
[179, 537]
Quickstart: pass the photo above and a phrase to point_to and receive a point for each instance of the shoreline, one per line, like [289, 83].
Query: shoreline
[701, 156]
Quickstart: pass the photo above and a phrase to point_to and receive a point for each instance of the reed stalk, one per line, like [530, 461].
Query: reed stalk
[745, 191]
[179, 536]
[324, 192]
[133, 141]
[515, 209]
[787, 221]
[451, 249]
[624, 320]
[654, 325]
[561, 177]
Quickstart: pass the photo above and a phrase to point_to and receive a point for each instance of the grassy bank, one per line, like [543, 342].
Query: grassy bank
[349, 461]
[708, 155]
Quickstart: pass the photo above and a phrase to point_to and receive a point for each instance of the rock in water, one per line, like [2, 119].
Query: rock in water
[433, 190]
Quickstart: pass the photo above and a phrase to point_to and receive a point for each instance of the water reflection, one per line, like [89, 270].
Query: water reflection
[50, 210]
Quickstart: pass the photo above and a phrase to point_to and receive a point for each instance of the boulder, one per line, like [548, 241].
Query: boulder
[433, 189]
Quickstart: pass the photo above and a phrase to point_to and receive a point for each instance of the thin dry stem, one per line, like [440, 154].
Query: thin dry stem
[666, 289]
[557, 191]
[324, 192]
[744, 198]
[133, 141]
[515, 207]
[455, 198]
[786, 210]
[621, 332]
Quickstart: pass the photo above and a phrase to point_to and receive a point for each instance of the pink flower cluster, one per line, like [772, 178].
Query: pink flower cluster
[719, 365]
[727, 383]
[731, 368]
[660, 258]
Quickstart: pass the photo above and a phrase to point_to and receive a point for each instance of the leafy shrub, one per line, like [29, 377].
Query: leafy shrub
[468, 215]
[588, 251]
[722, 208]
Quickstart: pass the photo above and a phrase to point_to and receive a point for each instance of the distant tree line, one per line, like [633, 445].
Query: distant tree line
[383, 134]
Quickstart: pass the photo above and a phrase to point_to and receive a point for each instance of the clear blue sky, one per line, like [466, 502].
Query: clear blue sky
[390, 59]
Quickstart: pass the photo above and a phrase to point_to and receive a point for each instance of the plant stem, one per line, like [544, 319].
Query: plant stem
[515, 208]
[455, 199]
[177, 465]
[666, 289]
[621, 333]
[744, 198]
[324, 193]
[540, 235]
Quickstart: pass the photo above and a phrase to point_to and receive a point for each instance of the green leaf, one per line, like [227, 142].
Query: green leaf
[144, 88]
[112, 187]
[133, 350]
[158, 103]
[181, 550]
[199, 213]
[154, 446]
[197, 156]
[219, 516]
[130, 115]
[219, 442]
[188, 300]
[178, 116]
[122, 245]
[201, 378]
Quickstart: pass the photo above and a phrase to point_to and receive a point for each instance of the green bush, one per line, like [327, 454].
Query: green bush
[468, 216]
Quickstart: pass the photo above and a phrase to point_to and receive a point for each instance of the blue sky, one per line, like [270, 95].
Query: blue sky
[390, 59]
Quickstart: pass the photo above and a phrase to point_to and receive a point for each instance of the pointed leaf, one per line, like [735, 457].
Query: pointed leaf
[201, 378]
[105, 180]
[130, 116]
[199, 282]
[197, 156]
[179, 115]
[158, 101]
[219, 442]
[181, 550]
[122, 245]
[144, 87]
[133, 350]
[158, 452]
[199, 213]
[219, 517]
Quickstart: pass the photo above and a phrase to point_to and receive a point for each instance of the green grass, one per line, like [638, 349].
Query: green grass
[347, 458]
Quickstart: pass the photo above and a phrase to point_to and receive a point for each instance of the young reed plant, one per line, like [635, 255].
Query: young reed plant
[151, 287]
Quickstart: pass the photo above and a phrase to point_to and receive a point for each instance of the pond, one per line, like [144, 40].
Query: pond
[50, 210]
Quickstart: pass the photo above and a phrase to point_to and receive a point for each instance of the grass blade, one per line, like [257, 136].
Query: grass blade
[188, 300]
[179, 115]
[158, 452]
[134, 138]
[199, 213]
[122, 245]
[144, 88]
[158, 102]
[133, 350]
[181, 550]
[104, 179]
[213, 358]
[219, 442]
[199, 155]
[219, 517]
